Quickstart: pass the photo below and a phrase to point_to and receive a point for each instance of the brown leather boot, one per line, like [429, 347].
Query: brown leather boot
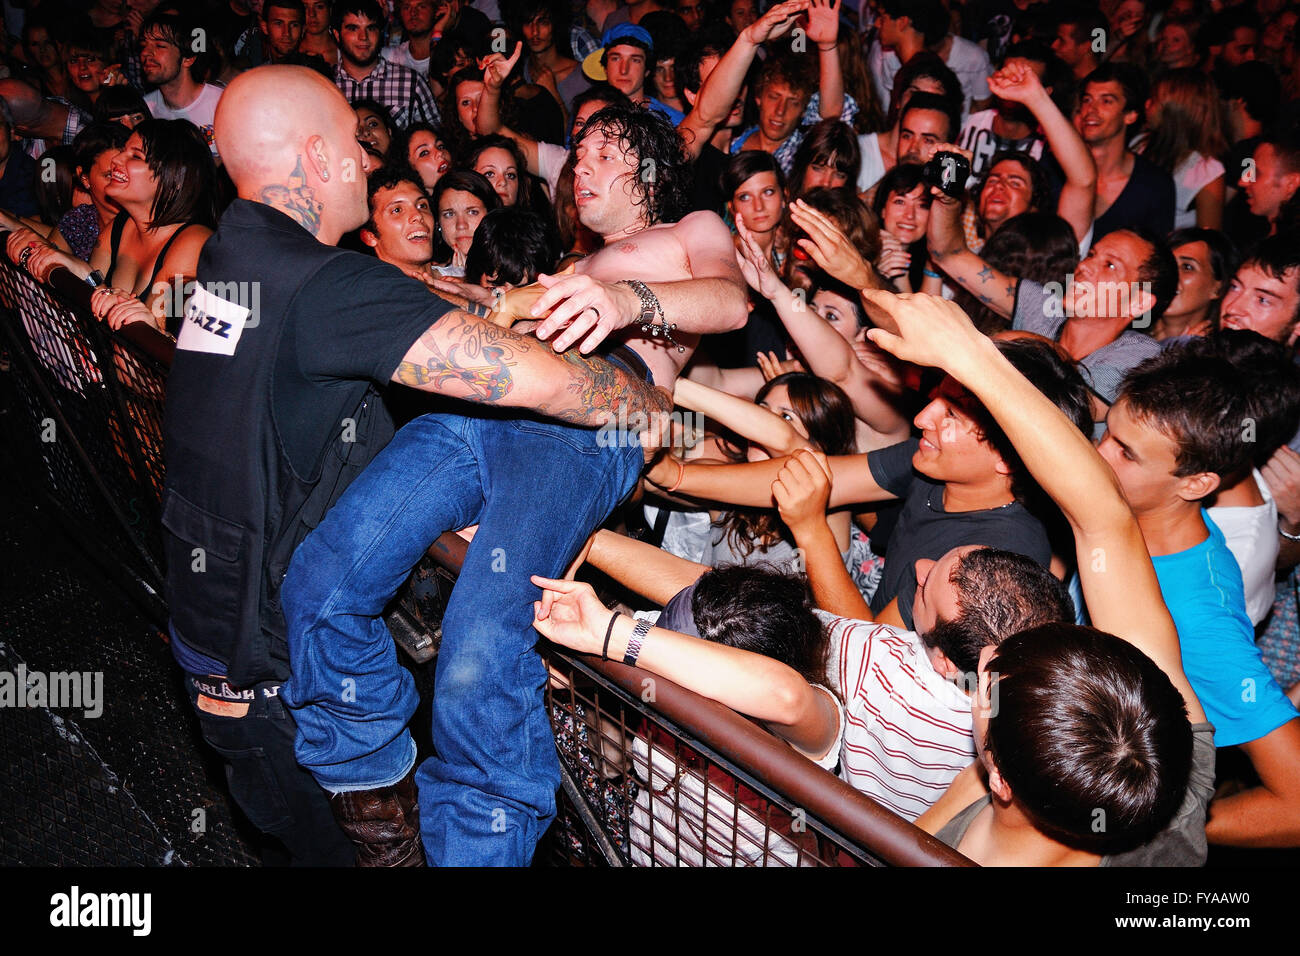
[384, 824]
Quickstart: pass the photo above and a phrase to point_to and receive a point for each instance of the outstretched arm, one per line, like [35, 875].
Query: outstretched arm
[570, 614]
[752, 422]
[718, 93]
[470, 358]
[642, 568]
[750, 484]
[1119, 582]
[1020, 84]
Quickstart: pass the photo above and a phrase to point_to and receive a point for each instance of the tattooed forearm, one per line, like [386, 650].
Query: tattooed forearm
[603, 393]
[479, 358]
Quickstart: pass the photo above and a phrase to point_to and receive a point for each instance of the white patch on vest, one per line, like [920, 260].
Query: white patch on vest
[212, 324]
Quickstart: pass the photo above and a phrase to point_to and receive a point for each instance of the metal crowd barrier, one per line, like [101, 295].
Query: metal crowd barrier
[653, 775]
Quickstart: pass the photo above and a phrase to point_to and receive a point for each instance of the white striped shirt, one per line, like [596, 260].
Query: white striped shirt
[907, 729]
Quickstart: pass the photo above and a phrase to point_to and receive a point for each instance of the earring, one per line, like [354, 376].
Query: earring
[324, 175]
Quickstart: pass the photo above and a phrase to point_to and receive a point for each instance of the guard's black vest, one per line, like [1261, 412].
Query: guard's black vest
[234, 509]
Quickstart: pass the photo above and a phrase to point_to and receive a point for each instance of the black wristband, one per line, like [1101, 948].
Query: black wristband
[609, 632]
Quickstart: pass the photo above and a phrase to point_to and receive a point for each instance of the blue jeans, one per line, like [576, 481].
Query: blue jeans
[536, 490]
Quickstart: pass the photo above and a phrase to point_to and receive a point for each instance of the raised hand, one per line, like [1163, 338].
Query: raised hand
[829, 247]
[823, 22]
[1016, 82]
[755, 265]
[771, 366]
[776, 22]
[931, 331]
[496, 68]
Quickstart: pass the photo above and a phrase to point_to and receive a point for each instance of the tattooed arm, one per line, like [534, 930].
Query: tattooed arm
[472, 359]
[950, 253]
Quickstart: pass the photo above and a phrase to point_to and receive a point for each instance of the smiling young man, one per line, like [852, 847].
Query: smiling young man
[362, 74]
[1132, 192]
[167, 60]
[400, 228]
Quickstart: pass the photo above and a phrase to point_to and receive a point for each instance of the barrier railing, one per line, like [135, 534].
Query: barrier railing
[653, 773]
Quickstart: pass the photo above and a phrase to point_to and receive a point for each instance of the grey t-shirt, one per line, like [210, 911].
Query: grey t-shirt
[1040, 311]
[926, 530]
[1181, 843]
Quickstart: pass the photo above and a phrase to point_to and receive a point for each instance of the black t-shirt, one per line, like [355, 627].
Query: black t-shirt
[272, 410]
[1147, 200]
[925, 530]
[706, 184]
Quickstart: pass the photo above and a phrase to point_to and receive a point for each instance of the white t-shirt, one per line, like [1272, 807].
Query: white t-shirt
[201, 112]
[1191, 176]
[1251, 534]
[401, 55]
[908, 730]
[968, 60]
[683, 817]
[873, 164]
[978, 136]
[550, 163]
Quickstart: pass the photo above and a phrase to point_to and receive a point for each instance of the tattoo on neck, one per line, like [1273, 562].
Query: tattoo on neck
[295, 199]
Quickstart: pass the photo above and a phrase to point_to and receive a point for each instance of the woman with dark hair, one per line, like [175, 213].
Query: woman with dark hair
[122, 105]
[847, 212]
[755, 189]
[164, 181]
[460, 201]
[426, 153]
[827, 158]
[501, 162]
[1206, 261]
[375, 126]
[902, 204]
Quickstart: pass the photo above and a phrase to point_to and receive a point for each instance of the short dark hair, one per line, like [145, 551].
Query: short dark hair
[1132, 82]
[761, 610]
[1207, 403]
[516, 13]
[928, 17]
[709, 41]
[1271, 388]
[651, 138]
[1159, 269]
[603, 93]
[389, 177]
[1275, 256]
[181, 162]
[1090, 734]
[1058, 379]
[297, 6]
[512, 245]
[929, 65]
[371, 9]
[1084, 20]
[938, 104]
[1256, 84]
[999, 593]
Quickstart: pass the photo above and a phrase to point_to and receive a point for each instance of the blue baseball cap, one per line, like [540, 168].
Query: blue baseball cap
[628, 33]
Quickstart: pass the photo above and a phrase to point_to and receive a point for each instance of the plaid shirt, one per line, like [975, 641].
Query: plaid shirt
[812, 114]
[404, 92]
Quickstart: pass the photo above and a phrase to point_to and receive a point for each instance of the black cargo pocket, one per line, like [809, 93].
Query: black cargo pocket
[208, 564]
